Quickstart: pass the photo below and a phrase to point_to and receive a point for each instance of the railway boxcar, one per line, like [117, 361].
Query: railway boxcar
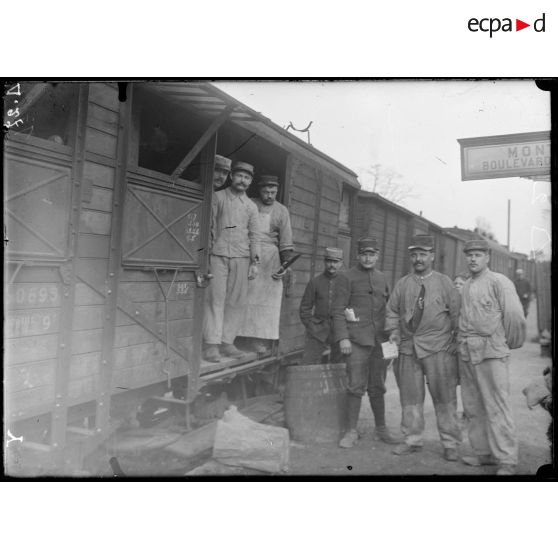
[107, 216]
[394, 225]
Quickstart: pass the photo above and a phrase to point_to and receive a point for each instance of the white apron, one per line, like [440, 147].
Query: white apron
[264, 292]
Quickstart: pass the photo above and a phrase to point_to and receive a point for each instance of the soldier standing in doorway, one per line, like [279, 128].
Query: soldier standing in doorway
[265, 293]
[221, 172]
[234, 261]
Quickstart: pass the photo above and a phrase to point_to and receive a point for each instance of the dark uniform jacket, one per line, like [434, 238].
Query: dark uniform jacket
[315, 306]
[523, 289]
[366, 292]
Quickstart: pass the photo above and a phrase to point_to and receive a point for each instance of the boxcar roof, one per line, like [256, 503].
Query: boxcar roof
[466, 234]
[207, 99]
[380, 199]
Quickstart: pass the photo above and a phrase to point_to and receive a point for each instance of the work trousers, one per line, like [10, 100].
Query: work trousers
[314, 348]
[226, 299]
[440, 370]
[485, 390]
[366, 372]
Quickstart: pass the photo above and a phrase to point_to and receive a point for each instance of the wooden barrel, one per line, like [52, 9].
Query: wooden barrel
[316, 402]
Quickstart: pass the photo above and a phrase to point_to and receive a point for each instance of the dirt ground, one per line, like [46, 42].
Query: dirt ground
[372, 457]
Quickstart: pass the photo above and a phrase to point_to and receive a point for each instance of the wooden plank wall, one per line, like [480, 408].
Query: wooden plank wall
[448, 262]
[328, 228]
[303, 189]
[402, 263]
[314, 200]
[392, 229]
[138, 354]
[98, 182]
[31, 333]
[33, 296]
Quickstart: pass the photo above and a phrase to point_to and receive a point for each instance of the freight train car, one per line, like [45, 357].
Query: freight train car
[394, 225]
[107, 197]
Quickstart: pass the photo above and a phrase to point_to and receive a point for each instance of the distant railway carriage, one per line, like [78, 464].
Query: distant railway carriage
[394, 226]
[107, 214]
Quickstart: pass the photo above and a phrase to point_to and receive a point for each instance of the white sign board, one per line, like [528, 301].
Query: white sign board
[505, 156]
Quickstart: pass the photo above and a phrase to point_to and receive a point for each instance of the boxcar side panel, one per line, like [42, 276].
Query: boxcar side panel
[303, 187]
[38, 197]
[95, 223]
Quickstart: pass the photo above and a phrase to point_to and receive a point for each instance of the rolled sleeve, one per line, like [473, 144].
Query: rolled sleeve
[253, 232]
[285, 232]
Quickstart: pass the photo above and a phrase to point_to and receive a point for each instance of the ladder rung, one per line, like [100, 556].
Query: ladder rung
[169, 400]
[82, 431]
[36, 446]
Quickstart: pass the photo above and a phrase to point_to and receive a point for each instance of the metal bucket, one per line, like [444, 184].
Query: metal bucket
[316, 402]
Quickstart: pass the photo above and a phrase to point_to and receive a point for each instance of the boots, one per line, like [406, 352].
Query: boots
[349, 439]
[211, 353]
[353, 410]
[382, 433]
[229, 350]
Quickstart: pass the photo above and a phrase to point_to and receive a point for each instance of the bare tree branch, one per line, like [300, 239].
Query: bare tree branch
[388, 183]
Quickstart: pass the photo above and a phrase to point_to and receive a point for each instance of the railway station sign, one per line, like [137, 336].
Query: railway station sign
[510, 155]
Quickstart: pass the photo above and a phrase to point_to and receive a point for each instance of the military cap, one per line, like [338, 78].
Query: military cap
[222, 163]
[422, 241]
[268, 180]
[367, 245]
[335, 254]
[476, 245]
[239, 166]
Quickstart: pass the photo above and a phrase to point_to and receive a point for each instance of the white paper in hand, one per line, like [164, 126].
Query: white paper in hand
[389, 350]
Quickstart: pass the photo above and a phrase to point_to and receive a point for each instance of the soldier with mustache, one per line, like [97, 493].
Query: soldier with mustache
[421, 316]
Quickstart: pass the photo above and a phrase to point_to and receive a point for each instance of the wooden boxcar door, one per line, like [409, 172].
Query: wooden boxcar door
[165, 234]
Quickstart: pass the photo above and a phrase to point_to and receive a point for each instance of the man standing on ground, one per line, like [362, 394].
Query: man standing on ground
[491, 322]
[523, 288]
[234, 260]
[276, 247]
[359, 307]
[316, 310]
[421, 317]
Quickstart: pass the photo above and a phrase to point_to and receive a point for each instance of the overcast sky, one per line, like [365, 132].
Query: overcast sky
[412, 128]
